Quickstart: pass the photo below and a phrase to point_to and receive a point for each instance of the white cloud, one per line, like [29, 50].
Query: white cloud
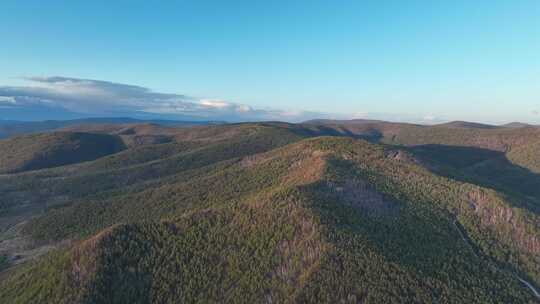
[359, 115]
[429, 118]
[243, 108]
[215, 103]
[108, 98]
[7, 100]
[291, 113]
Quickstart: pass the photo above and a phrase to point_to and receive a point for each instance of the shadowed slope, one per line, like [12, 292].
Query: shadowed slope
[484, 167]
[32, 152]
[520, 144]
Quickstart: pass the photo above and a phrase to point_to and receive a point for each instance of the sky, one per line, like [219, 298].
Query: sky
[418, 61]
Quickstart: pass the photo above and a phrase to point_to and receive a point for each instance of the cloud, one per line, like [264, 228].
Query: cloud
[215, 103]
[7, 100]
[96, 97]
[360, 115]
[56, 97]
[87, 96]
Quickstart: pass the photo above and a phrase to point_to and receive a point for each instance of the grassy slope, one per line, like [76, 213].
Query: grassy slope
[277, 226]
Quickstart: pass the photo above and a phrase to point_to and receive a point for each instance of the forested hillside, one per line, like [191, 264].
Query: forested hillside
[38, 151]
[279, 213]
[10, 128]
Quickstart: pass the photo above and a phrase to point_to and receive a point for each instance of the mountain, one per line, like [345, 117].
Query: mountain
[12, 127]
[276, 212]
[504, 140]
[466, 125]
[337, 121]
[516, 125]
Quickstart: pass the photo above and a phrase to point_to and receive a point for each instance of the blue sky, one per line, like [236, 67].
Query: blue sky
[288, 60]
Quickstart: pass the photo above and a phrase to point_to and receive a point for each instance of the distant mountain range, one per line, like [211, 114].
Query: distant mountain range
[452, 124]
[11, 127]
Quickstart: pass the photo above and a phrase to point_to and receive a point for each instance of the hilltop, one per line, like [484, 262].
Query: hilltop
[517, 125]
[466, 125]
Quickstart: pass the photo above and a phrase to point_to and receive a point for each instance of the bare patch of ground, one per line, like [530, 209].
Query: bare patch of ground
[361, 195]
[306, 169]
[492, 214]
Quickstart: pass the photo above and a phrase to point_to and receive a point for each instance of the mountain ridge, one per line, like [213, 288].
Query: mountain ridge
[10, 128]
[292, 217]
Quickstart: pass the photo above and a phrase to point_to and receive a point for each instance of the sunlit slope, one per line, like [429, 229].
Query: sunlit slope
[136, 167]
[527, 156]
[324, 219]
